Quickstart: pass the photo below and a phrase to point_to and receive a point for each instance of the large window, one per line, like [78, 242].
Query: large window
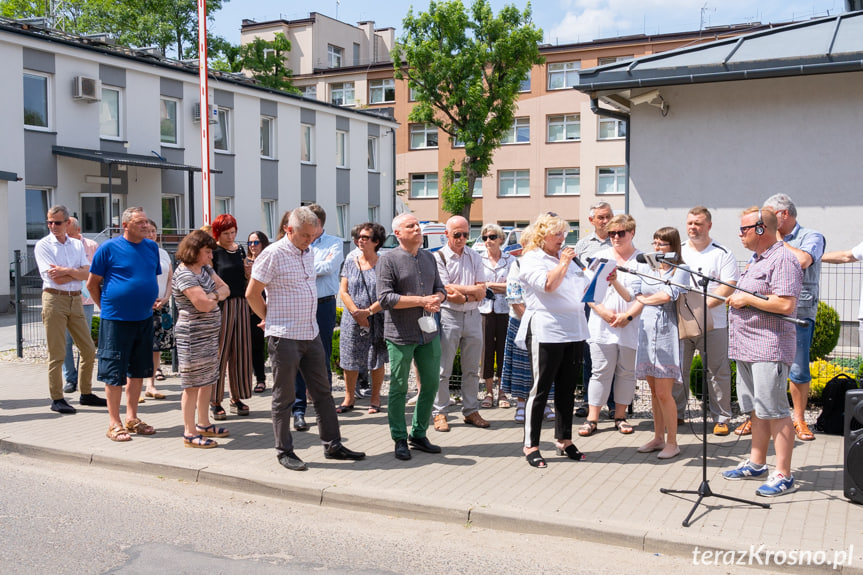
[381, 91]
[341, 149]
[563, 182]
[564, 128]
[611, 128]
[342, 94]
[424, 185]
[423, 136]
[307, 142]
[168, 122]
[222, 137]
[563, 75]
[224, 206]
[373, 155]
[611, 180]
[519, 132]
[335, 56]
[268, 218]
[37, 204]
[36, 103]
[513, 183]
[525, 84]
[94, 212]
[268, 137]
[171, 214]
[109, 113]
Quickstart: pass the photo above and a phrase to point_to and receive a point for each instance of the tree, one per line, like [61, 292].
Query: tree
[466, 70]
[265, 59]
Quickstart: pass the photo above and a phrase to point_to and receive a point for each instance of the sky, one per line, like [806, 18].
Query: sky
[562, 21]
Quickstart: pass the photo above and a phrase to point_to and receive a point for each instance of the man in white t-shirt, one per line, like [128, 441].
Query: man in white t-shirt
[855, 254]
[702, 254]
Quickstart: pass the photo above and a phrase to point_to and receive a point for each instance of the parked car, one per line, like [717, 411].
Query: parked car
[434, 237]
[511, 242]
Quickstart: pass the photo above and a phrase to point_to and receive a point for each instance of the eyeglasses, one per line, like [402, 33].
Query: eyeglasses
[490, 237]
[661, 244]
[460, 235]
[367, 238]
[744, 229]
[254, 242]
[56, 223]
[617, 233]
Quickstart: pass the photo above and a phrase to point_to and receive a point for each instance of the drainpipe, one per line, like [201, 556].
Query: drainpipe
[594, 107]
[395, 195]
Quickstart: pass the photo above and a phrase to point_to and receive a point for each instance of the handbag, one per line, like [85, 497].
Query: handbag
[690, 315]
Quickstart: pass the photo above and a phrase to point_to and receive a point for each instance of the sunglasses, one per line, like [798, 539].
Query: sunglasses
[53, 223]
[254, 242]
[490, 237]
[367, 238]
[617, 233]
[744, 229]
[460, 235]
[661, 244]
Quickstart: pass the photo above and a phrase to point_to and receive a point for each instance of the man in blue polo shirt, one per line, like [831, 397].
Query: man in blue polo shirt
[123, 284]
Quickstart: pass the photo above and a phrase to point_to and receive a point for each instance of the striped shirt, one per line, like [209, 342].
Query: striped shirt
[292, 299]
[464, 270]
[753, 335]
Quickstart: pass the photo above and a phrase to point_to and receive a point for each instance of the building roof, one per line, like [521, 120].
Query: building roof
[820, 46]
[8, 176]
[123, 158]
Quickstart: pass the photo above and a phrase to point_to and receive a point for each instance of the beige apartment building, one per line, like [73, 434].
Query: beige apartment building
[558, 156]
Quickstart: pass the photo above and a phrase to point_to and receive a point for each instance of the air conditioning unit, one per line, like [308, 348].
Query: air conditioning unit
[213, 113]
[87, 89]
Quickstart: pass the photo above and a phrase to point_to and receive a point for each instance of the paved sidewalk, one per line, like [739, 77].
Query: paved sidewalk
[481, 478]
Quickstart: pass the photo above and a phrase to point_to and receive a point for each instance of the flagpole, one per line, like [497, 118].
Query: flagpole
[204, 111]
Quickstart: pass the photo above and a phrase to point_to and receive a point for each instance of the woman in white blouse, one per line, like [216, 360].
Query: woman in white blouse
[495, 311]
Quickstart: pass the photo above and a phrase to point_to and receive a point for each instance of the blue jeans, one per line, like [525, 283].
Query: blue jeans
[800, 368]
[70, 364]
[326, 318]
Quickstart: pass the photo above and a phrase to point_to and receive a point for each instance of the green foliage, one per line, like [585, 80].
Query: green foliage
[466, 70]
[335, 358]
[456, 197]
[853, 364]
[266, 61]
[696, 377]
[827, 327]
[94, 329]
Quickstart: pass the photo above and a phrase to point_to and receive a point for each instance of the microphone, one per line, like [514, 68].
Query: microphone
[645, 258]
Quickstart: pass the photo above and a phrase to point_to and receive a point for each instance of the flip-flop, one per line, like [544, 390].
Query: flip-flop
[374, 409]
[159, 377]
[260, 387]
[344, 408]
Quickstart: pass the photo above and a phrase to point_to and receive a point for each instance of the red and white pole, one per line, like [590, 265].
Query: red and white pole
[205, 110]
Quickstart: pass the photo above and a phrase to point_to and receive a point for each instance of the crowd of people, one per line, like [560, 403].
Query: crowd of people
[528, 329]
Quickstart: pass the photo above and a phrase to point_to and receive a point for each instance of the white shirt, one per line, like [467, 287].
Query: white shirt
[496, 274]
[857, 252]
[69, 254]
[162, 278]
[718, 262]
[463, 270]
[556, 316]
[600, 330]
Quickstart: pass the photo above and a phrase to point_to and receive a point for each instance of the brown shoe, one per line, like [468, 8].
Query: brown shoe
[803, 432]
[720, 429]
[440, 423]
[476, 419]
[745, 428]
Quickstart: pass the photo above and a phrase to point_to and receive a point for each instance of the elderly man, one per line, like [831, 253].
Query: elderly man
[600, 214]
[461, 271]
[287, 270]
[855, 254]
[328, 253]
[703, 254]
[808, 247]
[123, 284]
[63, 265]
[763, 346]
[70, 366]
[409, 289]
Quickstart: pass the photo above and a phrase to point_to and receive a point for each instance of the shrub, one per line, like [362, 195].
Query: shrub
[822, 372]
[339, 316]
[335, 358]
[696, 377]
[826, 335]
[854, 364]
[94, 329]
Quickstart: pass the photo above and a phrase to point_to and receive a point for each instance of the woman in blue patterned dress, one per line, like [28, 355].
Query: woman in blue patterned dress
[361, 334]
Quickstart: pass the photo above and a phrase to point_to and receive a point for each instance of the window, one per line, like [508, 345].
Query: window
[356, 54]
[611, 180]
[109, 113]
[573, 234]
[563, 182]
[373, 213]
[423, 136]
[477, 185]
[563, 75]
[307, 142]
[611, 128]
[268, 218]
[268, 140]
[335, 56]
[519, 133]
[344, 220]
[222, 137]
[525, 84]
[168, 124]
[412, 94]
[171, 215]
[310, 91]
[342, 94]
[382, 91]
[423, 185]
[36, 103]
[224, 206]
[94, 212]
[341, 149]
[564, 128]
[373, 155]
[37, 204]
[612, 60]
[514, 183]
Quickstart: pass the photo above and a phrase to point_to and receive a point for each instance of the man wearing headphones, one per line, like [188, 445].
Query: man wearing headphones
[764, 347]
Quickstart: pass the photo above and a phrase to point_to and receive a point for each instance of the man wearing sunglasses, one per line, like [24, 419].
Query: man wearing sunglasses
[63, 265]
[461, 271]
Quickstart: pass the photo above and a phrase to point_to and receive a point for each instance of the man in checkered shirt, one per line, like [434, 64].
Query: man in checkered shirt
[287, 270]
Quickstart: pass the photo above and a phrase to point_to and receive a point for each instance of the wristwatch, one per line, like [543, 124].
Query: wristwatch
[629, 318]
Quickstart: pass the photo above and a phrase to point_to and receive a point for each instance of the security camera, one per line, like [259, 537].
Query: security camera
[646, 98]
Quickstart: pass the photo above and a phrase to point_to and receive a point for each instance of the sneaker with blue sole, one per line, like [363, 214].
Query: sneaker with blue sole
[777, 484]
[745, 470]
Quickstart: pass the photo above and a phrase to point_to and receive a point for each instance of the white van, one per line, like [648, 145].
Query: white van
[434, 237]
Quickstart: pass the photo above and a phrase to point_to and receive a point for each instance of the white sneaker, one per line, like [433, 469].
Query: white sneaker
[413, 400]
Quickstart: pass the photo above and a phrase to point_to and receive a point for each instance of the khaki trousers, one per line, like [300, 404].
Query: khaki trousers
[59, 314]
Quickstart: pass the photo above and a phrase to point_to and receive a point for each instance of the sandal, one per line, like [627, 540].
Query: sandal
[623, 426]
[198, 441]
[155, 394]
[745, 429]
[503, 402]
[344, 408]
[803, 432]
[572, 452]
[239, 407]
[487, 401]
[138, 427]
[218, 412]
[159, 376]
[118, 433]
[260, 387]
[374, 409]
[212, 431]
[587, 428]
[536, 460]
[519, 414]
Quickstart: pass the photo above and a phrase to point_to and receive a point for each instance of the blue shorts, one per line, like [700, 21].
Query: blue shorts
[125, 350]
[800, 368]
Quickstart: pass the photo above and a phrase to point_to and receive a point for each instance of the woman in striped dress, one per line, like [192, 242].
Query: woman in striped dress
[197, 291]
